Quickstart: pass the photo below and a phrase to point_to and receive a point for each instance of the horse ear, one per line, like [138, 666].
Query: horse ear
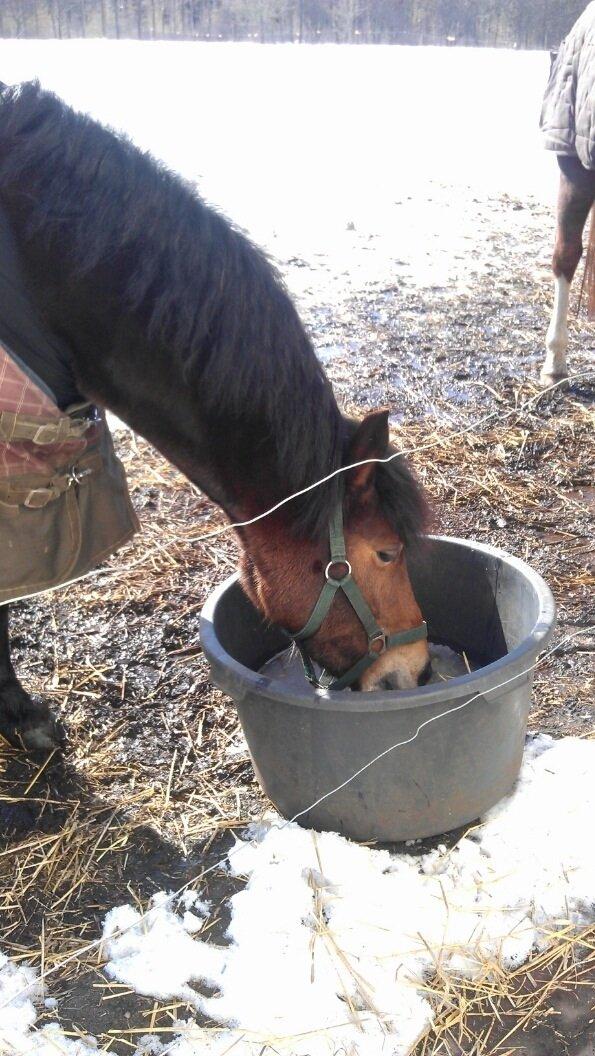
[370, 440]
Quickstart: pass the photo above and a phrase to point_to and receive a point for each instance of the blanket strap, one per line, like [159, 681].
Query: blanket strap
[34, 498]
[41, 431]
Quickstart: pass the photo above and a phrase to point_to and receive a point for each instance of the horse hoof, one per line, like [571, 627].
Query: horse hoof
[547, 380]
[26, 723]
[42, 735]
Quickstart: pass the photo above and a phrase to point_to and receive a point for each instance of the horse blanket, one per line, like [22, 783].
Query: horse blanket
[64, 503]
[568, 112]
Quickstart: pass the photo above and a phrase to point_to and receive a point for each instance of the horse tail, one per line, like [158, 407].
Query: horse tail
[589, 277]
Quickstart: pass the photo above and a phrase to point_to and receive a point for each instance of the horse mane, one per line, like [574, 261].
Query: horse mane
[123, 223]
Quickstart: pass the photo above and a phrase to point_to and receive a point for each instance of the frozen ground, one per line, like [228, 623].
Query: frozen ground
[333, 946]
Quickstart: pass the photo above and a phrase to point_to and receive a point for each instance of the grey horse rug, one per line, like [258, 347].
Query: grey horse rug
[568, 113]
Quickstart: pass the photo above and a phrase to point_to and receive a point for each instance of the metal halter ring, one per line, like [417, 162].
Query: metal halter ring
[379, 639]
[333, 579]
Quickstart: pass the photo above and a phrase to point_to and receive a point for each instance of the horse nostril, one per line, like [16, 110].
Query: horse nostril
[387, 684]
[425, 675]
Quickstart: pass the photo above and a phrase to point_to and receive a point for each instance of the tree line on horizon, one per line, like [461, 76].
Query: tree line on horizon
[496, 23]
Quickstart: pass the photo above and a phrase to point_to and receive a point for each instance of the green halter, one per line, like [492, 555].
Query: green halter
[378, 641]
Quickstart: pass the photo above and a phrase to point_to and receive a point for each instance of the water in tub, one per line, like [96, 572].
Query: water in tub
[446, 664]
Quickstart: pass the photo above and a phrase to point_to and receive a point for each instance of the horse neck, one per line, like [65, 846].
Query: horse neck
[246, 455]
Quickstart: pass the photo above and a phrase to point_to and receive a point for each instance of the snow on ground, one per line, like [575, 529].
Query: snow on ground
[20, 996]
[357, 160]
[332, 943]
[366, 163]
[328, 932]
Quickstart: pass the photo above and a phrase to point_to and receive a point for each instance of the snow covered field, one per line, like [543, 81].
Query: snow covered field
[296, 143]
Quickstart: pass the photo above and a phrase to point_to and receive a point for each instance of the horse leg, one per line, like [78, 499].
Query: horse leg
[24, 722]
[575, 198]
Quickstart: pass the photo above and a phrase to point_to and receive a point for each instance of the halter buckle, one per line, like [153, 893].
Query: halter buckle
[331, 564]
[380, 640]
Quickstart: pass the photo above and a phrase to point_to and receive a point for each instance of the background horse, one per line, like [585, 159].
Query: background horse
[575, 200]
[181, 327]
[568, 123]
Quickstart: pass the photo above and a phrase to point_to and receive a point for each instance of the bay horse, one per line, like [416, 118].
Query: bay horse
[183, 329]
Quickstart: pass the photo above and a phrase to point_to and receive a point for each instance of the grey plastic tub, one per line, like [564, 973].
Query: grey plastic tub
[473, 597]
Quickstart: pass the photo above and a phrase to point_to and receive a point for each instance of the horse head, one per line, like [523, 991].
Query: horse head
[373, 630]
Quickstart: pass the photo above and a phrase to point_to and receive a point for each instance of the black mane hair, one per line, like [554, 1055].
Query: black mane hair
[142, 241]
[402, 499]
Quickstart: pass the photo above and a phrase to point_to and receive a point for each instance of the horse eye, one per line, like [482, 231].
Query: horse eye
[387, 555]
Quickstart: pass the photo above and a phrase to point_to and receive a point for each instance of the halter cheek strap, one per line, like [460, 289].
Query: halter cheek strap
[378, 641]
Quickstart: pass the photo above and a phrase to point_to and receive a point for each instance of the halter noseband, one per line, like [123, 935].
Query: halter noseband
[378, 641]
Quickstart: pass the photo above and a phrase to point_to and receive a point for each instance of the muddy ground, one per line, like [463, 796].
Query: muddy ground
[156, 775]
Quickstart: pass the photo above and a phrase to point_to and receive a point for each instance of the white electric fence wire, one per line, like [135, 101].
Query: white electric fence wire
[451, 711]
[396, 454]
[428, 722]
[241, 844]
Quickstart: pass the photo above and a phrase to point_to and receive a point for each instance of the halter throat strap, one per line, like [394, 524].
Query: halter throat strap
[378, 641]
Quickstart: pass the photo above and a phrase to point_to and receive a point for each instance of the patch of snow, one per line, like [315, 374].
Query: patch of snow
[240, 748]
[331, 942]
[158, 956]
[19, 993]
[190, 900]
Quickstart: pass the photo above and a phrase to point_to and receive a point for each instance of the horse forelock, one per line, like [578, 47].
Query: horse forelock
[400, 496]
[402, 500]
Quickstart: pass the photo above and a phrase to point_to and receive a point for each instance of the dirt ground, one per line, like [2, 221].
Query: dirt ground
[156, 775]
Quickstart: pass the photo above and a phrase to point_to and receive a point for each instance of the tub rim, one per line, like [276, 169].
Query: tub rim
[484, 679]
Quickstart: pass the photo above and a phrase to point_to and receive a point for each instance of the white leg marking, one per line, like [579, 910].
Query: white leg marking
[556, 341]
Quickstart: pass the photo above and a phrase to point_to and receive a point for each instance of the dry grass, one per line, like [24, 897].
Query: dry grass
[489, 1014]
[91, 820]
